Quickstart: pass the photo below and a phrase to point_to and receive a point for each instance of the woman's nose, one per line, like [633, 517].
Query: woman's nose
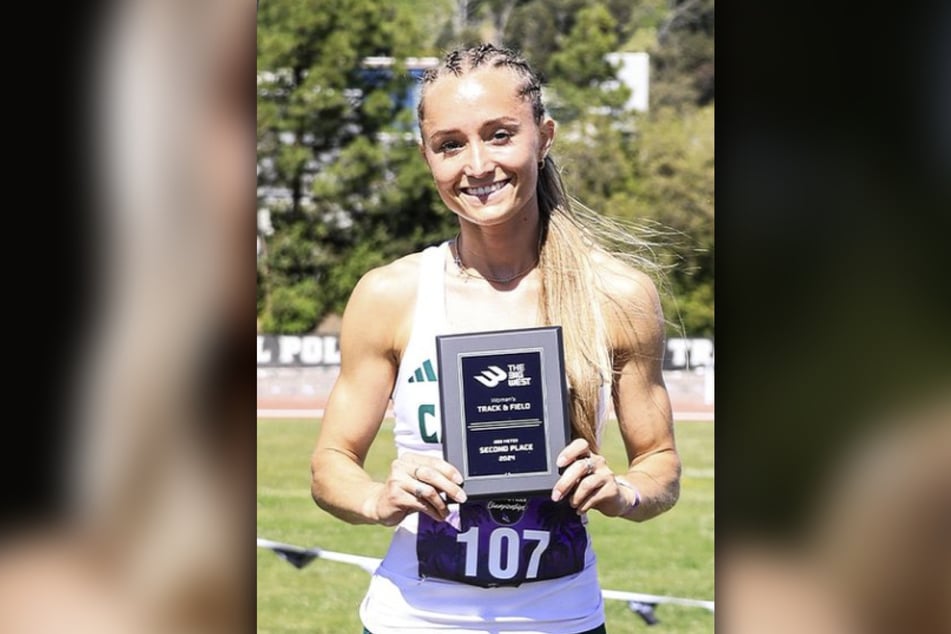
[480, 162]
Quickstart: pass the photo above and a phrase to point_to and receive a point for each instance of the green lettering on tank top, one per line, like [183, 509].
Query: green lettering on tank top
[424, 410]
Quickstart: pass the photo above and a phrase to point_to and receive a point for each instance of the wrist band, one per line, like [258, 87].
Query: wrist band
[637, 494]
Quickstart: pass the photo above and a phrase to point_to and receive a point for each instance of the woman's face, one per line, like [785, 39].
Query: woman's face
[483, 146]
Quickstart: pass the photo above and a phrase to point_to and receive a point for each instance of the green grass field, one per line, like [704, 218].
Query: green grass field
[669, 555]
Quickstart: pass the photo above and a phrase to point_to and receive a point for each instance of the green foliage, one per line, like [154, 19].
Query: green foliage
[695, 308]
[580, 60]
[262, 290]
[656, 168]
[347, 273]
[336, 142]
[682, 60]
[675, 155]
[292, 310]
[536, 28]
[580, 71]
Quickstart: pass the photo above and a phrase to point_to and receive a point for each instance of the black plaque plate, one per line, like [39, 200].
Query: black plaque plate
[504, 409]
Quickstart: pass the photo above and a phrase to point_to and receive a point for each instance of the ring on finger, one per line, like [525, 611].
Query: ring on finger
[589, 466]
[418, 492]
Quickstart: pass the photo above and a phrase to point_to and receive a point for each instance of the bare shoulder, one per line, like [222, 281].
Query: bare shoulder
[380, 309]
[392, 284]
[624, 284]
[630, 302]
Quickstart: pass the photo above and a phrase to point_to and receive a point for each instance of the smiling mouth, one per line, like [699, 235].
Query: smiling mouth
[485, 190]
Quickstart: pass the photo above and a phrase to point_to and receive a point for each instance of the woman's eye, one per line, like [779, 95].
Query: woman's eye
[449, 146]
[502, 135]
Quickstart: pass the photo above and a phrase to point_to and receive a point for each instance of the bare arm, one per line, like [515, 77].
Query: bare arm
[356, 406]
[651, 483]
[642, 403]
[371, 340]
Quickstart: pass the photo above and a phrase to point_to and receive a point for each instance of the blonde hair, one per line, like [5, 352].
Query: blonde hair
[570, 235]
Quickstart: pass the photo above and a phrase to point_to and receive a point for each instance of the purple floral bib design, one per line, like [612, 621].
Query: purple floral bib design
[503, 542]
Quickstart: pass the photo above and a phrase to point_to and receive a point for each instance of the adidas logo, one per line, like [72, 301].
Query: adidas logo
[424, 373]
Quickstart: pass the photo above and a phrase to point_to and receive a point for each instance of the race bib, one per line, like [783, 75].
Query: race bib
[503, 542]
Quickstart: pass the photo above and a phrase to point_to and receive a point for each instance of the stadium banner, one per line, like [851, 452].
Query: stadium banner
[298, 351]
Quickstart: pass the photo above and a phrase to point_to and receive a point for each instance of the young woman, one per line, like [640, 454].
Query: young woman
[522, 258]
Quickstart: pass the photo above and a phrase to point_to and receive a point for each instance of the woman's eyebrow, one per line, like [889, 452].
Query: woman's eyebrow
[501, 121]
[441, 133]
[491, 123]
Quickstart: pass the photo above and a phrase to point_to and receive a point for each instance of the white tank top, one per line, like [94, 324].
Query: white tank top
[398, 599]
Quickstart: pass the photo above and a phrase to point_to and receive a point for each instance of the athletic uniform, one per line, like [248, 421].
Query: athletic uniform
[512, 565]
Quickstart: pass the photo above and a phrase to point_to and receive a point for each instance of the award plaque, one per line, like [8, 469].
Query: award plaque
[504, 408]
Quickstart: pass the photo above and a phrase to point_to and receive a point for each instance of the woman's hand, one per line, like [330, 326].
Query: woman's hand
[589, 482]
[418, 483]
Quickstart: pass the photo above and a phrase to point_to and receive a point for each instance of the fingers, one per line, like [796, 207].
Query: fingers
[573, 461]
[424, 484]
[442, 478]
[590, 488]
[432, 491]
[586, 478]
[577, 448]
[425, 499]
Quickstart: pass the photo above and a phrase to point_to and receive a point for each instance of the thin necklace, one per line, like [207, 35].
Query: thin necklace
[464, 272]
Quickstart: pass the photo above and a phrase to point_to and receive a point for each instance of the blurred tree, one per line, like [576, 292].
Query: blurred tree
[656, 168]
[675, 186]
[682, 58]
[536, 28]
[676, 149]
[656, 171]
[580, 72]
[338, 165]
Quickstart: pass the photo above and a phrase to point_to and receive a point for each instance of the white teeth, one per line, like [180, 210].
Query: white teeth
[485, 190]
